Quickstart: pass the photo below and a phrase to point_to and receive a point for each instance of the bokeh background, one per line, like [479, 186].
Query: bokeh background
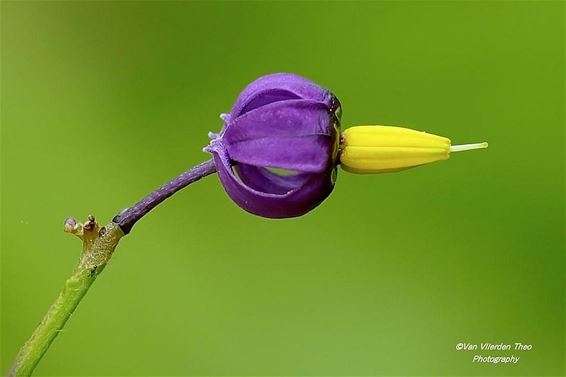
[104, 101]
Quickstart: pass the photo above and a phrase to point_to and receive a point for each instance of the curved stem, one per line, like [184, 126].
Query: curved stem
[128, 217]
[99, 244]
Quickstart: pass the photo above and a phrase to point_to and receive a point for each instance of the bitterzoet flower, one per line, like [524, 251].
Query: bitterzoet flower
[280, 145]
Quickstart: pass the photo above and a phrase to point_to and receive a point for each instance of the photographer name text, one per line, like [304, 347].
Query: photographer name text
[491, 359]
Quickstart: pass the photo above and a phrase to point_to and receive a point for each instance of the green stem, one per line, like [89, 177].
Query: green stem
[59, 312]
[98, 246]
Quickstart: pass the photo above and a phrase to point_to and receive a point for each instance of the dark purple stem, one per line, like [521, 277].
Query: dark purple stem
[128, 217]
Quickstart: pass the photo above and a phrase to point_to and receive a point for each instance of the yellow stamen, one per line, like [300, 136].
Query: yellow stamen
[382, 149]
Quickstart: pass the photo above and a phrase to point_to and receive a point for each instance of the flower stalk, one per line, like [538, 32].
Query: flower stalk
[129, 216]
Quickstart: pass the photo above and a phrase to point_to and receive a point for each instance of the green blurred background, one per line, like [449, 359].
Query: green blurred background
[104, 101]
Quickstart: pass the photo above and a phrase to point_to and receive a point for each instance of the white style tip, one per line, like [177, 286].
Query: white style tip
[467, 147]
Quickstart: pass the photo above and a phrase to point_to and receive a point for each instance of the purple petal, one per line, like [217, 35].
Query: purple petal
[285, 85]
[266, 97]
[261, 179]
[289, 118]
[295, 202]
[303, 154]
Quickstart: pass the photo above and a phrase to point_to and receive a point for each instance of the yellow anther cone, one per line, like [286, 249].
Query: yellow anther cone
[382, 149]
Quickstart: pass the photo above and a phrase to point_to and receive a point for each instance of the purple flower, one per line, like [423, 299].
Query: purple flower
[279, 121]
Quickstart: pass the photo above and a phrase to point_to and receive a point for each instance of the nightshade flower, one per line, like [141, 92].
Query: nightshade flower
[278, 150]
